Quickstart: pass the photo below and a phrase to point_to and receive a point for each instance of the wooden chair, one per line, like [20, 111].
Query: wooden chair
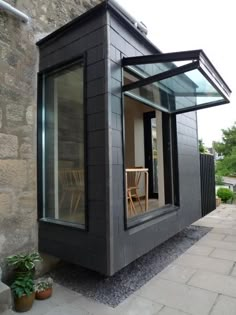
[133, 181]
[72, 185]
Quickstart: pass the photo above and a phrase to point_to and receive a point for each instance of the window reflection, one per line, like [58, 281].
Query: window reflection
[64, 183]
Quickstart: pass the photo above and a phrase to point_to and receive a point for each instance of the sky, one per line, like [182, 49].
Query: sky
[177, 25]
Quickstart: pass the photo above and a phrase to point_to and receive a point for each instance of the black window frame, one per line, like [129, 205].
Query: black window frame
[197, 60]
[82, 59]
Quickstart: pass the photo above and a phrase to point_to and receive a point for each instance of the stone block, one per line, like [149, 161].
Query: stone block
[9, 146]
[5, 205]
[30, 115]
[31, 177]
[27, 202]
[26, 151]
[13, 174]
[5, 297]
[2, 242]
[0, 118]
[15, 112]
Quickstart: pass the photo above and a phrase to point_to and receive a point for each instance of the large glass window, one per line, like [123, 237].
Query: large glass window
[144, 159]
[63, 141]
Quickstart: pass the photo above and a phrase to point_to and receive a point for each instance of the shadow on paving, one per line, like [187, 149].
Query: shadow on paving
[113, 290]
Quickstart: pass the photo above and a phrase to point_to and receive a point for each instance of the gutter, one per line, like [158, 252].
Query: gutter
[13, 11]
[139, 25]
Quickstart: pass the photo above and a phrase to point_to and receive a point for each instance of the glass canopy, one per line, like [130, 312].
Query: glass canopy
[175, 82]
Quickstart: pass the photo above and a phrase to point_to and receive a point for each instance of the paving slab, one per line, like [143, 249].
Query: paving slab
[200, 250]
[230, 238]
[176, 273]
[92, 306]
[226, 231]
[217, 244]
[171, 311]
[179, 296]
[224, 254]
[214, 282]
[224, 306]
[205, 263]
[233, 272]
[137, 305]
[67, 309]
[200, 282]
[214, 236]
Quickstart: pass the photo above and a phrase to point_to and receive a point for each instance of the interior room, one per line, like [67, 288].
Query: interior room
[144, 170]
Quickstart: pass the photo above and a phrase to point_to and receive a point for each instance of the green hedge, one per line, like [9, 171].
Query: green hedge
[225, 194]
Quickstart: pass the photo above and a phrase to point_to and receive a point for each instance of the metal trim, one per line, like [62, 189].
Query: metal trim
[161, 76]
[164, 57]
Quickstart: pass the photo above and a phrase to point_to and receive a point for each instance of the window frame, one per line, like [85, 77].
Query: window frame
[197, 61]
[82, 59]
[171, 186]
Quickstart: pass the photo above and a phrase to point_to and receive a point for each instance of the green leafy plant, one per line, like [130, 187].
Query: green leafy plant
[42, 284]
[24, 262]
[225, 194]
[219, 180]
[22, 286]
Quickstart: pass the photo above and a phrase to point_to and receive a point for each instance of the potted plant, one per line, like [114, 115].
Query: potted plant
[23, 292]
[43, 288]
[24, 264]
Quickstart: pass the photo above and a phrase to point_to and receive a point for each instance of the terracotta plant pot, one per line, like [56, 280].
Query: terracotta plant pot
[42, 295]
[24, 303]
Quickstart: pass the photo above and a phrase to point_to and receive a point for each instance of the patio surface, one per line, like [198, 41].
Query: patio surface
[201, 281]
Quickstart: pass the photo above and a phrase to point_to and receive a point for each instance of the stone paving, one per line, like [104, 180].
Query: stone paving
[202, 281]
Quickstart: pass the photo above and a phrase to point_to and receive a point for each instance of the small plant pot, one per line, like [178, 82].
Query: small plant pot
[42, 295]
[24, 303]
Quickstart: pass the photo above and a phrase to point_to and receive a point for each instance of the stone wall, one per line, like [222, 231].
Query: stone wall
[18, 94]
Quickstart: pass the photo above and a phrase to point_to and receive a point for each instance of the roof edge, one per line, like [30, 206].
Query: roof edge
[102, 7]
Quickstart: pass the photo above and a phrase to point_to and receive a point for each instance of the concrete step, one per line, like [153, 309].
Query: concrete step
[5, 298]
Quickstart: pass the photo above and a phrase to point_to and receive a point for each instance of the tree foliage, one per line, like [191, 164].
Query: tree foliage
[201, 146]
[227, 148]
[227, 166]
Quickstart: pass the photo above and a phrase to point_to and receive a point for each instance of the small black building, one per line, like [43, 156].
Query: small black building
[118, 160]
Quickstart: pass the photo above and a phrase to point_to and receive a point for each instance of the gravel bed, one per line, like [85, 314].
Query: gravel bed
[113, 290]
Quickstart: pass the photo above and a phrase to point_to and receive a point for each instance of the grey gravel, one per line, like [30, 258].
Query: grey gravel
[113, 290]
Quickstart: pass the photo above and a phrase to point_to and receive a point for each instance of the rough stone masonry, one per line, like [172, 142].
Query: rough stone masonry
[18, 101]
